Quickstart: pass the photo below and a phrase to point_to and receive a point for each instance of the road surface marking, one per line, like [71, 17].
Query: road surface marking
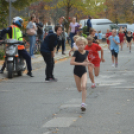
[69, 106]
[60, 122]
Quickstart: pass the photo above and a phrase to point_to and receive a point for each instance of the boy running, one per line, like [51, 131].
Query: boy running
[114, 47]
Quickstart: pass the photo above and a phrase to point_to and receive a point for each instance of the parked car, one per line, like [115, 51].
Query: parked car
[99, 24]
[47, 28]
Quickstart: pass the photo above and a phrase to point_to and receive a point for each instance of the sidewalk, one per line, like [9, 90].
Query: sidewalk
[39, 59]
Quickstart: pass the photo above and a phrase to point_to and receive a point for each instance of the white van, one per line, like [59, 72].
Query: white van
[99, 24]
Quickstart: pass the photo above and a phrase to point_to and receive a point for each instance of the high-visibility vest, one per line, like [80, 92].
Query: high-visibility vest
[16, 34]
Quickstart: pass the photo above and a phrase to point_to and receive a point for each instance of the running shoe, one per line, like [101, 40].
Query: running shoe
[113, 65]
[48, 80]
[116, 65]
[129, 51]
[83, 107]
[1, 71]
[93, 85]
[54, 79]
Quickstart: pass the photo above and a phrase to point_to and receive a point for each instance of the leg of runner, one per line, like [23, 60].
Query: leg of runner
[84, 87]
[81, 86]
[130, 47]
[78, 82]
[91, 75]
[96, 71]
[113, 60]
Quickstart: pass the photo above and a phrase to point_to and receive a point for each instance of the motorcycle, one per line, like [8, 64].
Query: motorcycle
[14, 62]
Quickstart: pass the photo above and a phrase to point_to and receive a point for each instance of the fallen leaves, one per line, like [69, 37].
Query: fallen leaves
[80, 116]
[119, 132]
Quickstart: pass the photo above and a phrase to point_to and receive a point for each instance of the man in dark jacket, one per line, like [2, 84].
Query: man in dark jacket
[48, 50]
[89, 24]
[61, 41]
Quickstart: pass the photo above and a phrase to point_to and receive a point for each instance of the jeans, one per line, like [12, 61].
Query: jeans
[32, 44]
[27, 57]
[40, 37]
[72, 40]
[49, 60]
[61, 43]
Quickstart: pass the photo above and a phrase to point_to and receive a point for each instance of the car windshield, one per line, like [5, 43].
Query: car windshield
[114, 26]
[48, 28]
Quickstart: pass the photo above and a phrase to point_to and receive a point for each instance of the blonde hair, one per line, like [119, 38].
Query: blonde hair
[76, 36]
[84, 40]
[90, 38]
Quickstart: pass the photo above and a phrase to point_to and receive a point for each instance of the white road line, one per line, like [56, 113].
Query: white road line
[47, 133]
[60, 122]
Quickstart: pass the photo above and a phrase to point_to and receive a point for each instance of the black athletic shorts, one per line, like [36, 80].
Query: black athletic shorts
[114, 53]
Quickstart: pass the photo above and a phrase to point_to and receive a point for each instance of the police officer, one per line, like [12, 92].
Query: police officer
[14, 32]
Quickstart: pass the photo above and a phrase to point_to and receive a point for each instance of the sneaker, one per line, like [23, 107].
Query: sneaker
[83, 107]
[93, 85]
[116, 65]
[113, 65]
[30, 74]
[48, 80]
[54, 79]
[129, 51]
[1, 71]
[63, 53]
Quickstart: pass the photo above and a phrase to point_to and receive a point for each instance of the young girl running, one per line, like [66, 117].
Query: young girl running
[94, 58]
[107, 36]
[74, 45]
[80, 60]
[129, 38]
[121, 36]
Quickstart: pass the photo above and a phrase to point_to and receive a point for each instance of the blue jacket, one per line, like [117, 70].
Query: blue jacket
[49, 43]
[89, 24]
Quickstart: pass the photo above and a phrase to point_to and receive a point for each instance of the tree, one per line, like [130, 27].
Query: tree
[4, 9]
[119, 11]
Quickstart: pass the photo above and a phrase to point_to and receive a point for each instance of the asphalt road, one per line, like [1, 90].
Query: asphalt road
[30, 106]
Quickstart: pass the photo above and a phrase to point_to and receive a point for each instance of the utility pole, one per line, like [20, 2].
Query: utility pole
[10, 11]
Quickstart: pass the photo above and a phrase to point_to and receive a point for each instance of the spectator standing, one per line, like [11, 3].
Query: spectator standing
[32, 32]
[47, 50]
[40, 30]
[72, 30]
[100, 36]
[114, 47]
[61, 41]
[89, 24]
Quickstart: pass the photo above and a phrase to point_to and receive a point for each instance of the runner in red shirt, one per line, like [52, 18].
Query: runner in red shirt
[94, 58]
[121, 36]
[133, 36]
[107, 36]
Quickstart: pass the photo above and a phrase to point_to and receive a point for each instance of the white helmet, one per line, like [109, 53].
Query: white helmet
[18, 21]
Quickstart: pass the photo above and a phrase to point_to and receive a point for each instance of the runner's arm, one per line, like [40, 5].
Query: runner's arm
[102, 55]
[116, 42]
